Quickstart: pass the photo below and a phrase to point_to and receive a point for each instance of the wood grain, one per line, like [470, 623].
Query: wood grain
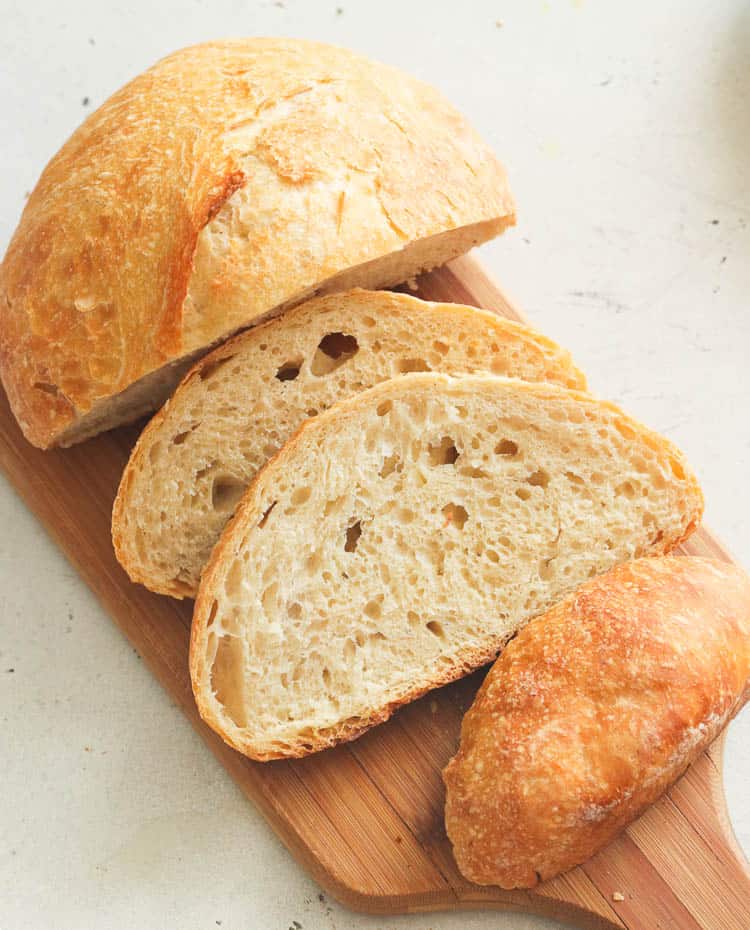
[366, 819]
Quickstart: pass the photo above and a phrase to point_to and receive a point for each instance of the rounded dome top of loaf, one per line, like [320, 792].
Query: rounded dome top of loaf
[228, 181]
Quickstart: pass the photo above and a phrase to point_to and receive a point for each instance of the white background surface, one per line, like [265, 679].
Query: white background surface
[626, 131]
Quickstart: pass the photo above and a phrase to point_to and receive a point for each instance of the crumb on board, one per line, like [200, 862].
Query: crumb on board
[618, 896]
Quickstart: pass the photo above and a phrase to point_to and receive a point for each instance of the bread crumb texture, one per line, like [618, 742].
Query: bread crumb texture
[239, 404]
[229, 179]
[593, 711]
[399, 539]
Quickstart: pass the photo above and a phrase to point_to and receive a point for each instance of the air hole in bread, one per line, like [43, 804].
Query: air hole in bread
[334, 349]
[443, 452]
[209, 369]
[353, 533]
[181, 437]
[469, 471]
[233, 580]
[374, 610]
[369, 321]
[523, 493]
[313, 562]
[436, 628]
[384, 408]
[226, 492]
[492, 555]
[545, 569]
[390, 464]
[269, 598]
[212, 613]
[573, 478]
[289, 370]
[413, 618]
[227, 679]
[455, 515]
[626, 489]
[326, 676]
[295, 610]
[405, 365]
[300, 496]
[538, 478]
[440, 347]
[312, 412]
[506, 447]
[333, 506]
[266, 514]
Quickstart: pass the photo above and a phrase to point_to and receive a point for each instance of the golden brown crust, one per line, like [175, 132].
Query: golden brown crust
[593, 711]
[132, 250]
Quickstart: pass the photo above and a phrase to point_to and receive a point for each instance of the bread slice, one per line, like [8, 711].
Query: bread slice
[241, 403]
[398, 540]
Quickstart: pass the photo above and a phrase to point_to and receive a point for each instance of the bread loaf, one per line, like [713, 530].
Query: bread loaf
[240, 403]
[227, 182]
[592, 712]
[399, 539]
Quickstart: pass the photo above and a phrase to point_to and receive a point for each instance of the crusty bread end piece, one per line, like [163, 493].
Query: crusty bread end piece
[238, 405]
[592, 712]
[224, 184]
[398, 540]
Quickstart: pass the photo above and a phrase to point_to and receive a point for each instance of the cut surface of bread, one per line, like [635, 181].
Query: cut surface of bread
[224, 184]
[398, 540]
[592, 712]
[239, 405]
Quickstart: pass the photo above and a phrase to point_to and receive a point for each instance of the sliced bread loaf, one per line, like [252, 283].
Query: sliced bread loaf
[241, 403]
[399, 539]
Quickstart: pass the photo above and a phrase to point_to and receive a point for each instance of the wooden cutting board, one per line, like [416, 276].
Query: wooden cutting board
[366, 819]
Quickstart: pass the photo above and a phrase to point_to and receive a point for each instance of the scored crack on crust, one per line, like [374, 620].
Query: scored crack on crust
[681, 501]
[238, 404]
[167, 220]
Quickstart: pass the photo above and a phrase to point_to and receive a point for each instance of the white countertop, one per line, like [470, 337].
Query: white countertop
[626, 130]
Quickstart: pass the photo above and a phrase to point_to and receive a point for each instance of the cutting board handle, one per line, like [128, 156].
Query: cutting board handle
[679, 866]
